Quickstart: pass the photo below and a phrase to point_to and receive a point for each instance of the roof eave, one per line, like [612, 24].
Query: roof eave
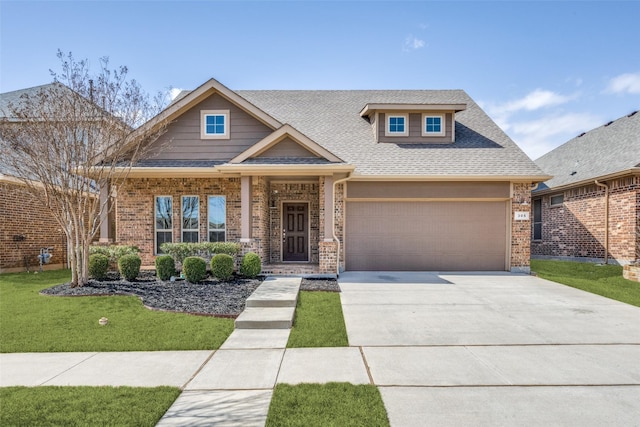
[510, 178]
[372, 108]
[614, 175]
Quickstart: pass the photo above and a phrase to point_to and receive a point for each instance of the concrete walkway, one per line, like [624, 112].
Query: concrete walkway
[444, 349]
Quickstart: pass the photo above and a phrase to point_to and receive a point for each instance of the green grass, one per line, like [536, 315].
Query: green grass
[84, 406]
[605, 280]
[32, 322]
[318, 321]
[331, 404]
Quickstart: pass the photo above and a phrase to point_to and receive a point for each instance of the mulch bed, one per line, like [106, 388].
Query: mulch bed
[210, 297]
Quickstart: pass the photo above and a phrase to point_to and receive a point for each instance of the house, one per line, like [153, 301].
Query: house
[590, 209]
[325, 181]
[26, 226]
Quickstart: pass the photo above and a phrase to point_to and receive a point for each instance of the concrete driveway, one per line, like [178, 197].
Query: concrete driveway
[494, 349]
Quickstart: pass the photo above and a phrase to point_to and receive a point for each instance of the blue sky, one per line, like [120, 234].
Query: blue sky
[544, 71]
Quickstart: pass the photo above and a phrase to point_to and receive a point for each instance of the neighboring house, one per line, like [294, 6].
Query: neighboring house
[316, 181]
[25, 225]
[590, 210]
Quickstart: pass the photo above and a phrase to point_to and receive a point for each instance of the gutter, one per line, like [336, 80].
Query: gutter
[333, 225]
[606, 220]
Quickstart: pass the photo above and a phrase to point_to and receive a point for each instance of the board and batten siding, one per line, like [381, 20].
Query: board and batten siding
[182, 139]
[415, 129]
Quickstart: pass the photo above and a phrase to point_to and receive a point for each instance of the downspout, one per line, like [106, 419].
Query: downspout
[606, 220]
[333, 217]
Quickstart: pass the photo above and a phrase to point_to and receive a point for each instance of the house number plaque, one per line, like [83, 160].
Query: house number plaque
[521, 216]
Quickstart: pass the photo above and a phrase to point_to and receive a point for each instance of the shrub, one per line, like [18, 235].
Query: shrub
[129, 266]
[165, 267]
[194, 269]
[114, 252]
[180, 251]
[251, 265]
[222, 266]
[98, 266]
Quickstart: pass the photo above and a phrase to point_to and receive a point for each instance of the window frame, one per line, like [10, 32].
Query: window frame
[209, 229]
[387, 130]
[555, 205]
[156, 248]
[442, 118]
[536, 220]
[189, 230]
[203, 124]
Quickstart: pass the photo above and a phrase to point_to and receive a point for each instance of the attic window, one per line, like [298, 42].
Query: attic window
[557, 200]
[214, 124]
[432, 125]
[397, 125]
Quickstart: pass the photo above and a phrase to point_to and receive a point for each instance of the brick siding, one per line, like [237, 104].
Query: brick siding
[576, 229]
[520, 229]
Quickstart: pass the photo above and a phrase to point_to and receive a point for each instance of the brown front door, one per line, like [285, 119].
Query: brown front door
[295, 232]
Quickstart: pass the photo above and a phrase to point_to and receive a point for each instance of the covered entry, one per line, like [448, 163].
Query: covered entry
[425, 234]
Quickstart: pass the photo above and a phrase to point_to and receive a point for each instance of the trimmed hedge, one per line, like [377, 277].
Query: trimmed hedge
[222, 266]
[165, 267]
[114, 252]
[194, 269]
[129, 266]
[98, 266]
[180, 251]
[251, 265]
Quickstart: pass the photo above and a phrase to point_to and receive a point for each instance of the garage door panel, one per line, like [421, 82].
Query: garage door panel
[426, 235]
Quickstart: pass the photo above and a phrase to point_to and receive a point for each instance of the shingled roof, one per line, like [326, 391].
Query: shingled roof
[331, 118]
[605, 150]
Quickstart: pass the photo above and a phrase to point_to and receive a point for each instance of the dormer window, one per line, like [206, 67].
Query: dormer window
[432, 125]
[397, 125]
[214, 124]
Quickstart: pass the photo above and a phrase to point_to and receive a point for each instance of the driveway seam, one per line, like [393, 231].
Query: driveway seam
[366, 365]
[488, 365]
[202, 365]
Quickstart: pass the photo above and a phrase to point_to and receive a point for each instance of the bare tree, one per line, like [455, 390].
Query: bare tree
[70, 139]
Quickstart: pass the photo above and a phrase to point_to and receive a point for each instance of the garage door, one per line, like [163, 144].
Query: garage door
[396, 236]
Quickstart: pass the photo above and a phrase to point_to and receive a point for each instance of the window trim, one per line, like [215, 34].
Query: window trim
[442, 124]
[534, 222]
[555, 205]
[190, 230]
[209, 230]
[203, 124]
[388, 118]
[155, 223]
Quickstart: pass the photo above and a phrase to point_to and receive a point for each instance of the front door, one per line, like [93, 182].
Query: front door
[295, 232]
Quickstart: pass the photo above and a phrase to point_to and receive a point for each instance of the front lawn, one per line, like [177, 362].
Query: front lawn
[605, 280]
[35, 323]
[331, 404]
[318, 321]
[84, 406]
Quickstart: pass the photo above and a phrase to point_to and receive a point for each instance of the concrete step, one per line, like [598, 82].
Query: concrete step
[266, 318]
[275, 292]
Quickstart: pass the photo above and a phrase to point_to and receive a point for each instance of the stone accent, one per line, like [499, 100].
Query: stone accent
[21, 214]
[576, 229]
[520, 229]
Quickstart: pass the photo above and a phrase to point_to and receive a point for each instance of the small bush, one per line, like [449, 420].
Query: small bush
[180, 251]
[251, 265]
[114, 252]
[194, 269]
[129, 266]
[222, 266]
[165, 267]
[98, 266]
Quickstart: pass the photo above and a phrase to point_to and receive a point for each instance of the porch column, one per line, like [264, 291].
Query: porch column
[104, 212]
[245, 209]
[328, 209]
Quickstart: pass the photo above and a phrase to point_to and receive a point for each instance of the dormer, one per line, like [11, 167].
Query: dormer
[413, 123]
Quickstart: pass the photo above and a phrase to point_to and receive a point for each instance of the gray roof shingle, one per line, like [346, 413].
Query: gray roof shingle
[607, 149]
[331, 118]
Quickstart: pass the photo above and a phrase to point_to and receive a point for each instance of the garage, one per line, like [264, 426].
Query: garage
[429, 235]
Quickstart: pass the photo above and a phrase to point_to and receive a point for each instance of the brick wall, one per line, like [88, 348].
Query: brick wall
[135, 208]
[520, 229]
[20, 214]
[576, 229]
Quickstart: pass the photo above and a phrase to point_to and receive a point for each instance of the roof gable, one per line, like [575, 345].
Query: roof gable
[285, 135]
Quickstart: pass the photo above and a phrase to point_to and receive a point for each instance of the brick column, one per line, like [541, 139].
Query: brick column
[520, 228]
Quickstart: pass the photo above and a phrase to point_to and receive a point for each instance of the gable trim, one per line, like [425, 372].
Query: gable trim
[275, 137]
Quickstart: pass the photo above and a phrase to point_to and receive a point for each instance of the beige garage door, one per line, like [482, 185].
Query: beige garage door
[396, 236]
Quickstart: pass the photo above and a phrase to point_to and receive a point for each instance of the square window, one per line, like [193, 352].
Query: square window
[557, 200]
[214, 124]
[432, 125]
[397, 125]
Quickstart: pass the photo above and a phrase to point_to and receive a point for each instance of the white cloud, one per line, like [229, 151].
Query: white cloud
[412, 43]
[174, 92]
[535, 100]
[624, 83]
